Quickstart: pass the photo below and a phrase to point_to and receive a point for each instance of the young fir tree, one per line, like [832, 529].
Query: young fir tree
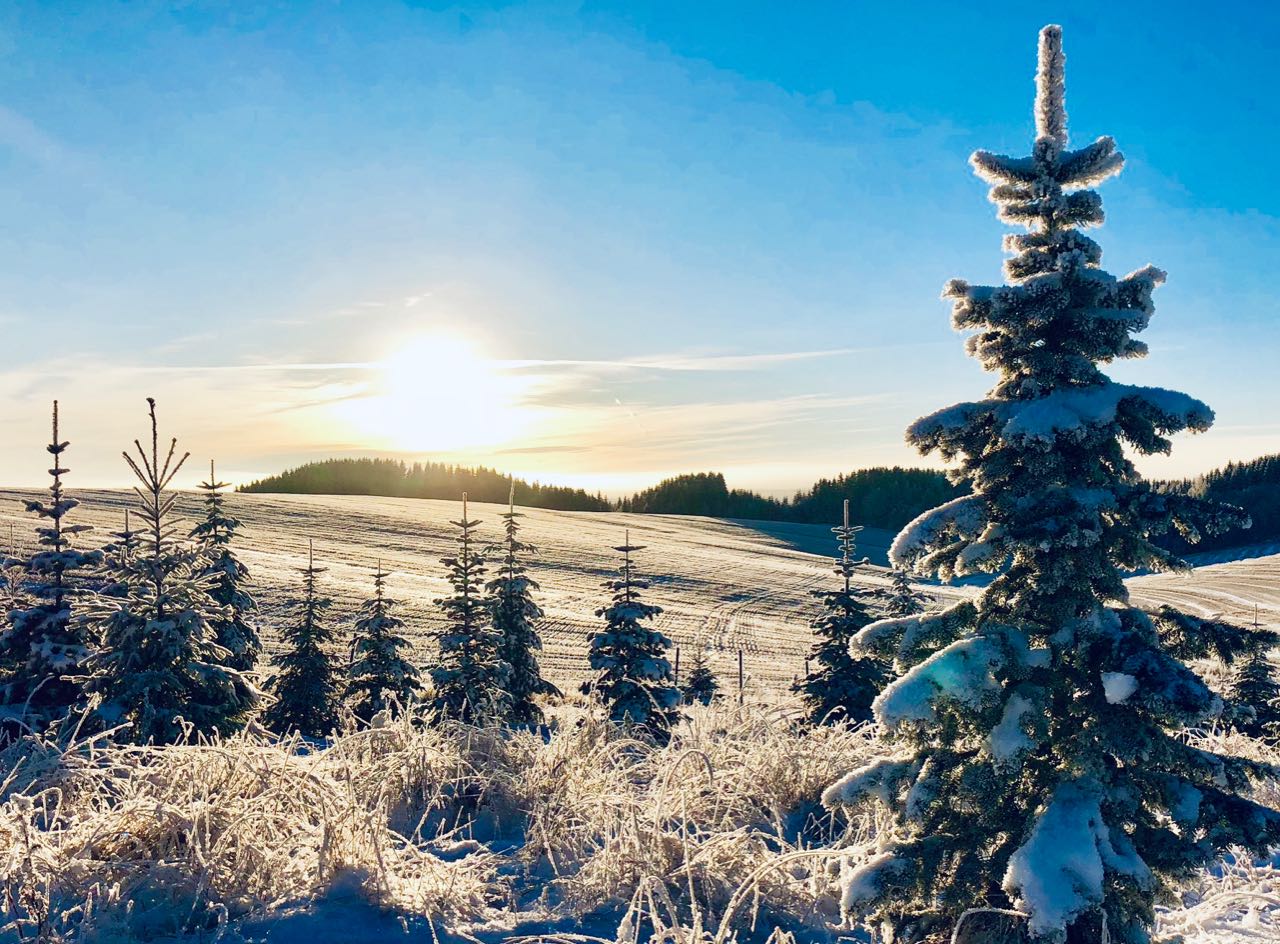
[702, 686]
[1254, 695]
[305, 685]
[843, 685]
[158, 666]
[515, 617]
[380, 677]
[902, 597]
[43, 645]
[1037, 760]
[471, 678]
[633, 674]
[235, 631]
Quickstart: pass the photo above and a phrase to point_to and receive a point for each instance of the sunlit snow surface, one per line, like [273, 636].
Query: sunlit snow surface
[722, 585]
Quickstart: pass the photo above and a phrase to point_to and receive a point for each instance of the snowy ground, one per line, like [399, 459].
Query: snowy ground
[572, 835]
[723, 585]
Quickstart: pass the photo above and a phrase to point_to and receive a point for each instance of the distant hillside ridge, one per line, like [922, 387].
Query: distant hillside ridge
[393, 478]
[1253, 486]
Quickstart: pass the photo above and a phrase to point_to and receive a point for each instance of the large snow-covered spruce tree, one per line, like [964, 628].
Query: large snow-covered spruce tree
[42, 645]
[470, 681]
[306, 683]
[516, 616]
[157, 665]
[380, 678]
[633, 674]
[235, 630]
[1038, 764]
[843, 684]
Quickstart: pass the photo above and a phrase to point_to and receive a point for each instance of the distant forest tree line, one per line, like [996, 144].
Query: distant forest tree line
[878, 498]
[885, 498]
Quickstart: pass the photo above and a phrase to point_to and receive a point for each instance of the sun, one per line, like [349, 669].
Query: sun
[435, 393]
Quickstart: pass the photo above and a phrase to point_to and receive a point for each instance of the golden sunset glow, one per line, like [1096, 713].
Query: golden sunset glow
[436, 393]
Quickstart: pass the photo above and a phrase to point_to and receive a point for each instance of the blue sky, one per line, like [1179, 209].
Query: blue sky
[651, 239]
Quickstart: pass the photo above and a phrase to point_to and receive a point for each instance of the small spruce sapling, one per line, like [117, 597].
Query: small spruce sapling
[470, 681]
[633, 674]
[516, 616]
[843, 684]
[305, 684]
[702, 685]
[902, 597]
[44, 642]
[380, 678]
[235, 630]
[157, 665]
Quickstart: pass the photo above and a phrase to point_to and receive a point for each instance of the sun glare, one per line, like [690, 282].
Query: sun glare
[437, 394]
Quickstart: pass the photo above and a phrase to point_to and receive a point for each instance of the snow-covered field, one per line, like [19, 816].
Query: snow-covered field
[726, 586]
[441, 834]
[723, 585]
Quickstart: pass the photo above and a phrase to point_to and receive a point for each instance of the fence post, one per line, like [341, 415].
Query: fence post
[739, 676]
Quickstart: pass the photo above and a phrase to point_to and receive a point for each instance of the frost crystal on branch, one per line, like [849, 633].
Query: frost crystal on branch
[1038, 764]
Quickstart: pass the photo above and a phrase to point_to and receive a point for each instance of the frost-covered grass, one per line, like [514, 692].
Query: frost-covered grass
[452, 831]
[459, 832]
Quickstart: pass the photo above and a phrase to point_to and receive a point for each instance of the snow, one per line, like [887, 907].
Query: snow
[1009, 737]
[866, 881]
[1058, 873]
[961, 672]
[1067, 413]
[879, 779]
[1118, 686]
[964, 516]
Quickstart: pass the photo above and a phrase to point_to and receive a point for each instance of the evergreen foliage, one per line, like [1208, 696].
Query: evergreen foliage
[633, 674]
[843, 685]
[43, 645]
[305, 685]
[235, 630]
[902, 597]
[471, 679]
[1038, 762]
[380, 677]
[515, 617]
[116, 553]
[1255, 696]
[702, 685]
[158, 666]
